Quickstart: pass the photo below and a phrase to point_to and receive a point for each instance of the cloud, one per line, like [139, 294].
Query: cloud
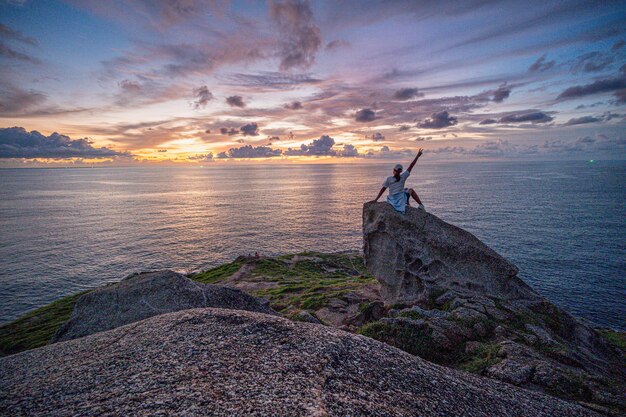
[250, 129]
[203, 96]
[349, 151]
[618, 45]
[269, 80]
[582, 120]
[407, 94]
[228, 131]
[438, 121]
[337, 44]
[404, 128]
[378, 137]
[16, 142]
[541, 65]
[488, 122]
[300, 37]
[8, 52]
[591, 62]
[533, 117]
[501, 93]
[318, 147]
[235, 101]
[249, 151]
[207, 157]
[365, 115]
[600, 86]
[8, 33]
[294, 105]
[423, 138]
[16, 101]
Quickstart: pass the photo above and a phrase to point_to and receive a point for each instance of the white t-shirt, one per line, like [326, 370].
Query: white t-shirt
[394, 186]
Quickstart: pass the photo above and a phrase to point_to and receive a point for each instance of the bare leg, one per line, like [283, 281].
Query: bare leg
[415, 196]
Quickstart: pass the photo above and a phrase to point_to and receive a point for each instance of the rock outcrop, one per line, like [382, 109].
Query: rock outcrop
[236, 363]
[416, 255]
[461, 304]
[144, 295]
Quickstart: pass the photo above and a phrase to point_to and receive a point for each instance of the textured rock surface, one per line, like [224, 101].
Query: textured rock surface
[415, 254]
[467, 294]
[234, 363]
[144, 295]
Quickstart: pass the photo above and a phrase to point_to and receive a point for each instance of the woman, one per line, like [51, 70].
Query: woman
[398, 195]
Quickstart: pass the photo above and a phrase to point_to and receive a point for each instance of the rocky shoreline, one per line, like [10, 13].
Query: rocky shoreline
[423, 286]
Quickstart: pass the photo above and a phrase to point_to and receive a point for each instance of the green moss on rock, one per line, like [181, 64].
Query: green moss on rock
[37, 327]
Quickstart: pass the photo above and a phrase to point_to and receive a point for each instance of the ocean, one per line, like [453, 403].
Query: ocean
[66, 230]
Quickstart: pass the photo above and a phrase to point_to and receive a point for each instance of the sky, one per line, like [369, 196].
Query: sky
[121, 82]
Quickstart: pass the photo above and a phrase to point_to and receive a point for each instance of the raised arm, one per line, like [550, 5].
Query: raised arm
[419, 153]
[382, 190]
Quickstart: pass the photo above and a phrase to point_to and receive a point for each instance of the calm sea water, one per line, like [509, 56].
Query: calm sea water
[65, 230]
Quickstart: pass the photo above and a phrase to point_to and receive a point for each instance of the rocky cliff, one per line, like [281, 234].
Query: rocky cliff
[236, 363]
[460, 303]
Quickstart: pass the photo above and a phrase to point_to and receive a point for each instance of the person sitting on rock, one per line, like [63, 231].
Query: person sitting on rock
[398, 195]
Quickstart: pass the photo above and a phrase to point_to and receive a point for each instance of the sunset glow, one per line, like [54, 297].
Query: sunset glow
[194, 81]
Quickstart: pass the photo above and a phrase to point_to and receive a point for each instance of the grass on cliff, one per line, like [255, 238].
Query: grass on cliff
[37, 327]
[616, 338]
[307, 280]
[483, 357]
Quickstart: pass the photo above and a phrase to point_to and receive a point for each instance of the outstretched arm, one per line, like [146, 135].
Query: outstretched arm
[382, 190]
[419, 153]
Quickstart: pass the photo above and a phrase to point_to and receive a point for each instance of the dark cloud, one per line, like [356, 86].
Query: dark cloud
[582, 120]
[8, 33]
[269, 80]
[273, 138]
[235, 101]
[207, 157]
[365, 115]
[16, 142]
[404, 128]
[591, 62]
[203, 96]
[532, 117]
[337, 44]
[249, 151]
[541, 65]
[407, 94]
[294, 105]
[300, 37]
[600, 86]
[422, 138]
[228, 131]
[318, 147]
[349, 151]
[438, 121]
[16, 101]
[488, 122]
[618, 45]
[501, 93]
[378, 137]
[162, 150]
[250, 129]
[10, 53]
[128, 86]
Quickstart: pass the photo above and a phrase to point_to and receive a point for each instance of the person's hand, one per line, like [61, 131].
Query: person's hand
[420, 152]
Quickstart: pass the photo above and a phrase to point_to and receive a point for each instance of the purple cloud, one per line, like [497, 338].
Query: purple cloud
[407, 94]
[16, 142]
[365, 115]
[438, 120]
[249, 151]
[203, 96]
[235, 101]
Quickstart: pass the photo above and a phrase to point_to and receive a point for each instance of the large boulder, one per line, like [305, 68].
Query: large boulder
[469, 304]
[144, 295]
[236, 363]
[416, 255]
